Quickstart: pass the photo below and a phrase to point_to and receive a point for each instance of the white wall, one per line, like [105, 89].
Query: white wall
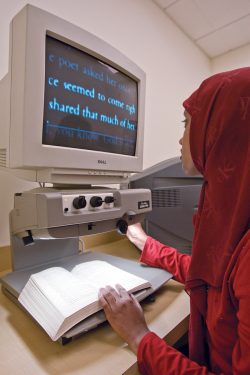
[173, 65]
[237, 58]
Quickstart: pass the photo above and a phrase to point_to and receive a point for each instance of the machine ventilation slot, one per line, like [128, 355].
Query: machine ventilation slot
[166, 198]
[3, 157]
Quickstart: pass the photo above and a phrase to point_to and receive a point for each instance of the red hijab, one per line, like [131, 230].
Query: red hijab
[219, 143]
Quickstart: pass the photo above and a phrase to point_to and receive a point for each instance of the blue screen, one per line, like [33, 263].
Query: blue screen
[88, 104]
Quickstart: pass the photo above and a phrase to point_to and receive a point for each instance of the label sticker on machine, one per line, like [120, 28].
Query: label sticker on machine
[143, 204]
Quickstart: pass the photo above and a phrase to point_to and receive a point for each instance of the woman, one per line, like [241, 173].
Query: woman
[216, 144]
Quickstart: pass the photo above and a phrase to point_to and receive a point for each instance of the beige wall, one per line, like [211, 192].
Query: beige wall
[232, 60]
[173, 65]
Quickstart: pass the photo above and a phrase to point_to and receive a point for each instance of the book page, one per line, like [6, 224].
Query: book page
[99, 274]
[59, 299]
[63, 289]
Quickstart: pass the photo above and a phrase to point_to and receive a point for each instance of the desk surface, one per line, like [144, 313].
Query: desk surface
[26, 349]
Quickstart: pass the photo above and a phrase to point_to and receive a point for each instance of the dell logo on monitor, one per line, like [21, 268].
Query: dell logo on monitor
[102, 161]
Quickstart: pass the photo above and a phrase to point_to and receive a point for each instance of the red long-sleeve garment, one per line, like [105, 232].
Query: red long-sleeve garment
[227, 321]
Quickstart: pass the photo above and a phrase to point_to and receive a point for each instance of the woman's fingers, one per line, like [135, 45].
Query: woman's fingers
[122, 291]
[109, 297]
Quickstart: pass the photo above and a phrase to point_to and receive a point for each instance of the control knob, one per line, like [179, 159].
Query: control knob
[96, 201]
[79, 202]
[122, 226]
[109, 199]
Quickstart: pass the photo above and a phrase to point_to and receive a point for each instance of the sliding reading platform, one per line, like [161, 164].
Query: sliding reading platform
[62, 296]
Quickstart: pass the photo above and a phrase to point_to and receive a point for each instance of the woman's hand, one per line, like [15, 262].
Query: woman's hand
[124, 314]
[136, 235]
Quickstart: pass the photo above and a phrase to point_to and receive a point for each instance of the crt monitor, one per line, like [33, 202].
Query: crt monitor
[175, 198]
[73, 105]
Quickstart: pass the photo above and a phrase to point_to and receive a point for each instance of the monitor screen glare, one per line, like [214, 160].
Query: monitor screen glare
[88, 104]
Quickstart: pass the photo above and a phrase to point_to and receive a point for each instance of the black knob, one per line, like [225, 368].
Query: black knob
[122, 226]
[109, 199]
[79, 202]
[96, 201]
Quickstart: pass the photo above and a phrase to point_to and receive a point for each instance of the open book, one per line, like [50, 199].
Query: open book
[58, 299]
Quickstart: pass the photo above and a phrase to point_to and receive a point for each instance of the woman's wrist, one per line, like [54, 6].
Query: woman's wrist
[137, 236]
[134, 341]
[140, 242]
